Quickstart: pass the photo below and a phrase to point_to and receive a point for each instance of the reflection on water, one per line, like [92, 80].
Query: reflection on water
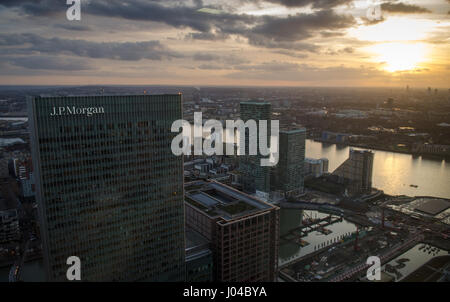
[394, 172]
[292, 218]
[408, 262]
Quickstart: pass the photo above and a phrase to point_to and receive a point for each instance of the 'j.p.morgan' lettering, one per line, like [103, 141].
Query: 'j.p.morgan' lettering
[59, 111]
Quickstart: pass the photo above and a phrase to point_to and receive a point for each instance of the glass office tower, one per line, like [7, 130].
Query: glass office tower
[255, 178]
[109, 189]
[288, 175]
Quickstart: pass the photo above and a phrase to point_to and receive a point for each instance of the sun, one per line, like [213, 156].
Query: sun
[399, 56]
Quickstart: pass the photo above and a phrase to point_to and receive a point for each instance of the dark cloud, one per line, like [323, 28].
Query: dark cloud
[328, 34]
[292, 54]
[216, 60]
[302, 26]
[205, 57]
[402, 8]
[49, 63]
[348, 50]
[128, 51]
[73, 27]
[262, 31]
[278, 32]
[37, 7]
[315, 3]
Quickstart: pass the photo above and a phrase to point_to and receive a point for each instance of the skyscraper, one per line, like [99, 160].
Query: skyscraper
[357, 171]
[109, 189]
[255, 178]
[288, 175]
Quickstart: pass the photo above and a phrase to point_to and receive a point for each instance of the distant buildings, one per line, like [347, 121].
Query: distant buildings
[9, 225]
[316, 167]
[22, 171]
[242, 230]
[356, 172]
[254, 177]
[109, 189]
[9, 217]
[332, 137]
[351, 114]
[431, 149]
[288, 176]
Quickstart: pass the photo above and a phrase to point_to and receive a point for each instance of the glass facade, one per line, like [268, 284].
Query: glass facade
[288, 175]
[254, 176]
[109, 189]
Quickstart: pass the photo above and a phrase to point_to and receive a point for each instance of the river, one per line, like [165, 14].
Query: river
[393, 172]
[292, 218]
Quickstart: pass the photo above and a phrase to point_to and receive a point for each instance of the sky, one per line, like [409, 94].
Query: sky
[376, 43]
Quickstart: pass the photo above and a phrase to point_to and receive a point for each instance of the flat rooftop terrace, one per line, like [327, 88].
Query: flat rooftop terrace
[216, 199]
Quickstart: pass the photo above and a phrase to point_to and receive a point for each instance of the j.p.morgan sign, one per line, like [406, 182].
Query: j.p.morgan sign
[68, 110]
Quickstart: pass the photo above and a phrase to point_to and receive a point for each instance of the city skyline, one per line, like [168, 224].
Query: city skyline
[246, 43]
[212, 141]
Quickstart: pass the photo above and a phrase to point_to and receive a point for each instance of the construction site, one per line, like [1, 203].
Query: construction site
[407, 235]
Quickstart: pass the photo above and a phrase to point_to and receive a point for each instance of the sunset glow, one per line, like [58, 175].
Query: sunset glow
[254, 43]
[400, 56]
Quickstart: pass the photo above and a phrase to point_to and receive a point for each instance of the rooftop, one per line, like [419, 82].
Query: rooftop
[218, 200]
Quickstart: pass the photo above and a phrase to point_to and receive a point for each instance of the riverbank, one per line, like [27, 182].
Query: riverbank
[386, 149]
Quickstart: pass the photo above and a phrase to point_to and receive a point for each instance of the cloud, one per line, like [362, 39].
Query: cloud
[72, 27]
[37, 7]
[292, 54]
[288, 32]
[292, 72]
[127, 51]
[315, 3]
[302, 26]
[205, 57]
[262, 31]
[402, 8]
[218, 61]
[49, 63]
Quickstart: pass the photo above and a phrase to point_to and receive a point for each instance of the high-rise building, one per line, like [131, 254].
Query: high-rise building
[242, 230]
[254, 177]
[356, 171]
[108, 187]
[288, 175]
[316, 167]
